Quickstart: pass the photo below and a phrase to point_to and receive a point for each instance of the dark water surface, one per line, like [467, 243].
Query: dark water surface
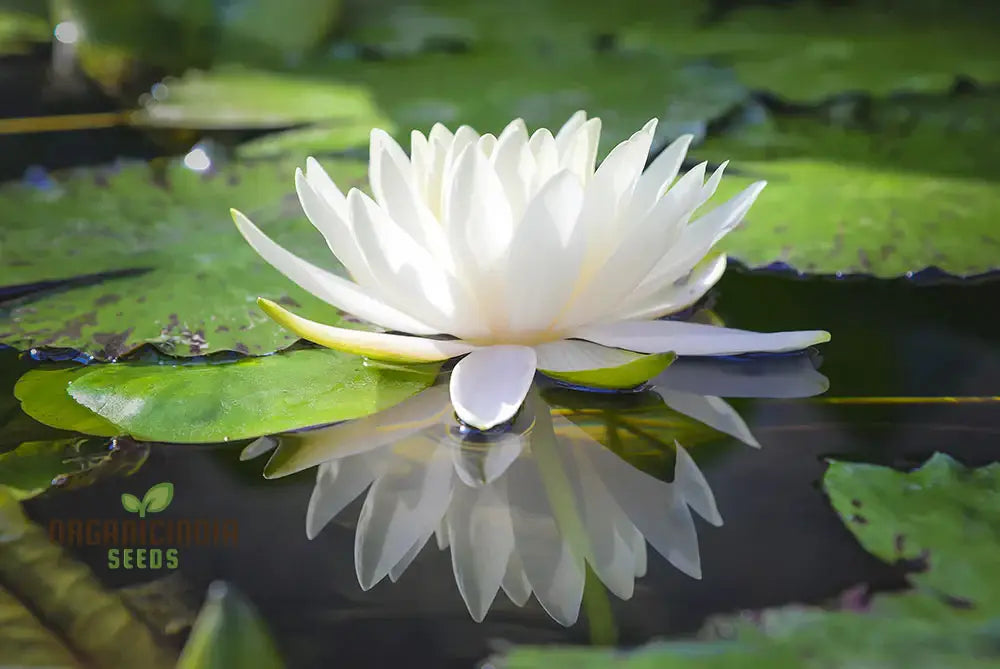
[780, 543]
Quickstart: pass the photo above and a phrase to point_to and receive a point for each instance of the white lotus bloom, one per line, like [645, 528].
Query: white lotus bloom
[522, 254]
[525, 510]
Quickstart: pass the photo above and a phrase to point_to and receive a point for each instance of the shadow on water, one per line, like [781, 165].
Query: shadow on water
[780, 542]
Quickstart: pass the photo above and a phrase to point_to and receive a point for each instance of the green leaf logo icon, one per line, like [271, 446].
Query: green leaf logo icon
[156, 499]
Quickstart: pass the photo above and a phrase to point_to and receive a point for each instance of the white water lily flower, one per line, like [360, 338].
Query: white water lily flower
[522, 254]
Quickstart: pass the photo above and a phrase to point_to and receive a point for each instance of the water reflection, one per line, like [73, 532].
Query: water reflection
[525, 509]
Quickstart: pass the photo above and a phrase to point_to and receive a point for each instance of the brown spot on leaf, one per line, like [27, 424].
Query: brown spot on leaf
[856, 503]
[113, 344]
[866, 263]
[241, 347]
[73, 328]
[110, 298]
[900, 542]
[140, 299]
[288, 301]
[886, 250]
[860, 520]
[222, 328]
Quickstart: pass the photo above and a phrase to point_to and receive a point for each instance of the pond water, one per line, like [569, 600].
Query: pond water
[913, 369]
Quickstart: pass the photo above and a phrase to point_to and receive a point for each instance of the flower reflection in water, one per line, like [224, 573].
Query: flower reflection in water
[524, 508]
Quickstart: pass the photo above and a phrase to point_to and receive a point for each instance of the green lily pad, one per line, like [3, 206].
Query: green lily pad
[30, 469]
[241, 98]
[187, 281]
[888, 188]
[229, 633]
[943, 516]
[624, 89]
[55, 611]
[204, 403]
[826, 217]
[809, 51]
[43, 396]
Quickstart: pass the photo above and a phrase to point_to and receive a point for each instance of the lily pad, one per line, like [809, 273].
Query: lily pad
[883, 188]
[186, 280]
[229, 633]
[624, 89]
[809, 51]
[241, 98]
[204, 403]
[827, 217]
[943, 517]
[43, 396]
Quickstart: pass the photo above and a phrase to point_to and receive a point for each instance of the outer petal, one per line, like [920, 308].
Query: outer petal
[696, 339]
[324, 185]
[398, 348]
[327, 286]
[679, 295]
[489, 385]
[334, 224]
[658, 176]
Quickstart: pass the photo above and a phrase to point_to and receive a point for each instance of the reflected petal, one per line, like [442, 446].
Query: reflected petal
[786, 376]
[712, 411]
[338, 483]
[405, 503]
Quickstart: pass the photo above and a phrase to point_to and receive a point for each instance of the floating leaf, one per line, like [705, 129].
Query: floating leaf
[809, 51]
[206, 403]
[229, 633]
[43, 396]
[827, 217]
[241, 98]
[910, 184]
[943, 516]
[158, 497]
[54, 611]
[189, 280]
[34, 466]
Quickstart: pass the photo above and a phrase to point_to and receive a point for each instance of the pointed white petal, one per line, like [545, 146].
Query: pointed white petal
[489, 385]
[441, 535]
[481, 537]
[515, 166]
[378, 345]
[545, 255]
[477, 216]
[698, 239]
[696, 339]
[384, 151]
[677, 296]
[543, 147]
[569, 128]
[338, 483]
[404, 269]
[659, 175]
[404, 504]
[335, 228]
[710, 410]
[327, 286]
[324, 185]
